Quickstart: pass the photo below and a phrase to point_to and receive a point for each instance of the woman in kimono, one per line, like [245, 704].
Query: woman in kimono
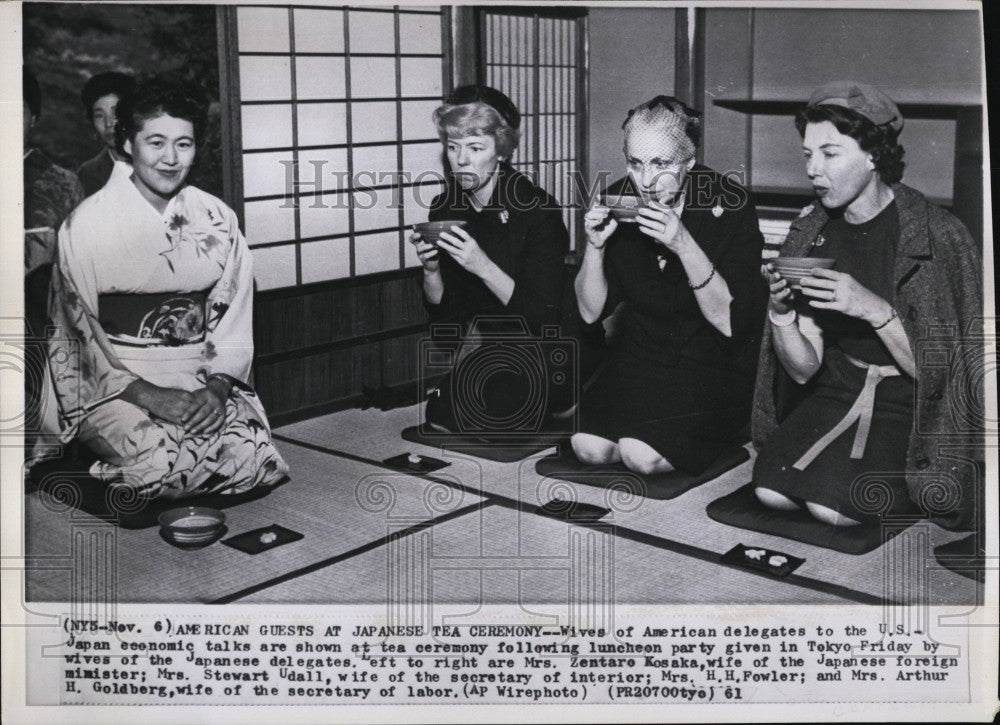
[152, 301]
[850, 450]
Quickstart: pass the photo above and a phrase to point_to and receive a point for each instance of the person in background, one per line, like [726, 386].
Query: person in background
[677, 389]
[152, 302]
[50, 194]
[101, 96]
[506, 263]
[844, 351]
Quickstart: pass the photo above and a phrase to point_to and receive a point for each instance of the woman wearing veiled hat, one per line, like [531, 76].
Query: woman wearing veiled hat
[506, 263]
[678, 387]
[848, 415]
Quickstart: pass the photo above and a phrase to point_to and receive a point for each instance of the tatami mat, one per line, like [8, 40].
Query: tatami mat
[375, 435]
[903, 570]
[499, 555]
[339, 505]
[465, 534]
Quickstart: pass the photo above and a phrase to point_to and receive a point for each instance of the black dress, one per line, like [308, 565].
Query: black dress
[865, 488]
[522, 231]
[674, 381]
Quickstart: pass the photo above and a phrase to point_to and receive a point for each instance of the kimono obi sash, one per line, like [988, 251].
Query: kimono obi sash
[164, 318]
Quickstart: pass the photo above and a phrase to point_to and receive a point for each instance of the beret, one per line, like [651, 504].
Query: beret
[491, 97]
[864, 99]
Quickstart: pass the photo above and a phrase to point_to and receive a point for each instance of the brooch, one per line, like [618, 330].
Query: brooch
[661, 260]
[504, 216]
[820, 241]
[717, 211]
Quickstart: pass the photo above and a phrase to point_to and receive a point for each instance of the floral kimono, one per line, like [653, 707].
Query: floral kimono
[166, 298]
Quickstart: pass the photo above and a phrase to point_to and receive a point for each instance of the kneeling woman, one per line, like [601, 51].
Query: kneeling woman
[152, 299]
[505, 263]
[848, 339]
[679, 385]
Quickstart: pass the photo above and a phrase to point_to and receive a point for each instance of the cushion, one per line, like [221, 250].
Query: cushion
[566, 466]
[503, 450]
[67, 483]
[965, 556]
[744, 510]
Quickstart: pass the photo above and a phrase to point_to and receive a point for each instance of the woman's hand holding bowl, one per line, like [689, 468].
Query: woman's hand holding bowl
[465, 250]
[839, 291]
[663, 224]
[427, 253]
[599, 225]
[780, 292]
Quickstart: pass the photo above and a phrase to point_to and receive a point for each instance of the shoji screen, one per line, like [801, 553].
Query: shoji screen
[339, 153]
[539, 61]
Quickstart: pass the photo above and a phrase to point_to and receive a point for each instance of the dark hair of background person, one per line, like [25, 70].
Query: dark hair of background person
[104, 84]
[154, 98]
[32, 92]
[65, 44]
[880, 141]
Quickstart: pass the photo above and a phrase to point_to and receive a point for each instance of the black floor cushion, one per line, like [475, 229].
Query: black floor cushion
[743, 510]
[965, 556]
[503, 450]
[567, 467]
[67, 483]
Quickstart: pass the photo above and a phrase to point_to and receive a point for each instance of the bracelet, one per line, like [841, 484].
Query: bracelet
[705, 283]
[892, 316]
[783, 319]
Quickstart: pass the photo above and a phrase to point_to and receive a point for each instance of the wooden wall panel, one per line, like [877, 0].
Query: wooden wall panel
[402, 303]
[401, 359]
[318, 346]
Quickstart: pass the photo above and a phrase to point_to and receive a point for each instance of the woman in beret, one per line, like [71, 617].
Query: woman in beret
[678, 387]
[866, 410]
[506, 263]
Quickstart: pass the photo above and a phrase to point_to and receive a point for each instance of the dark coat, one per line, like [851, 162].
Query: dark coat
[94, 174]
[939, 296]
[522, 232]
[50, 195]
[661, 320]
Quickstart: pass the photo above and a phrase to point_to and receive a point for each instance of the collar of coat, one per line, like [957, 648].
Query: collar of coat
[513, 191]
[914, 235]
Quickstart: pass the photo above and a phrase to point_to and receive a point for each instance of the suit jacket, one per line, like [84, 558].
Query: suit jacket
[939, 296]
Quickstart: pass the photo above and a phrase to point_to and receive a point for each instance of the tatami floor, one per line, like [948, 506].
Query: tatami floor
[464, 535]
